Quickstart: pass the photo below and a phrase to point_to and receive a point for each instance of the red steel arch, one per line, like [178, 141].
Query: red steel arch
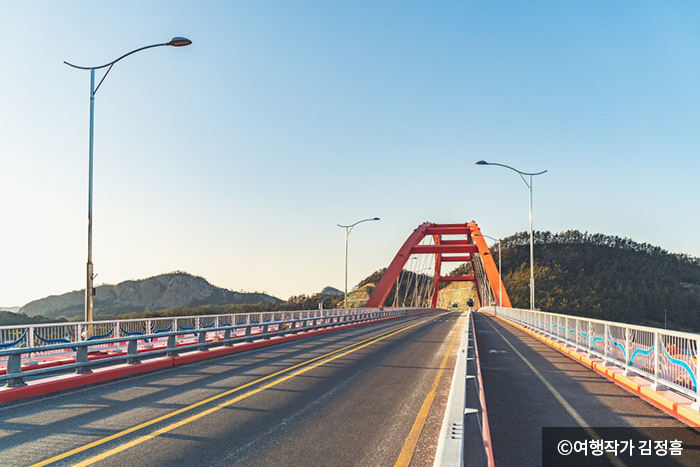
[445, 250]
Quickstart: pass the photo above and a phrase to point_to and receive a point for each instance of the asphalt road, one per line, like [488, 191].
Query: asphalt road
[529, 385]
[271, 406]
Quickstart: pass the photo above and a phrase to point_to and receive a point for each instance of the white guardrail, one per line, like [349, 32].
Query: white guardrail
[668, 358]
[157, 337]
[43, 335]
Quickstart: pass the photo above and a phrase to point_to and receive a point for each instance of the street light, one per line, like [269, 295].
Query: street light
[532, 250]
[348, 229]
[174, 42]
[500, 271]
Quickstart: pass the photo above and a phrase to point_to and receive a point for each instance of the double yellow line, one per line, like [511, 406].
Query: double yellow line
[307, 365]
[409, 447]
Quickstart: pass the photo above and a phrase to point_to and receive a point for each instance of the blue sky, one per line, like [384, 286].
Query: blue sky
[235, 157]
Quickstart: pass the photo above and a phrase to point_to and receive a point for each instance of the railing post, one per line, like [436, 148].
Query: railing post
[14, 366]
[606, 346]
[552, 320]
[562, 329]
[132, 352]
[171, 346]
[81, 356]
[696, 404]
[590, 338]
[202, 340]
[30, 337]
[627, 351]
[657, 364]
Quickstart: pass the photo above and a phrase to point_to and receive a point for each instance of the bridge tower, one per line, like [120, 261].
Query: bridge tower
[455, 243]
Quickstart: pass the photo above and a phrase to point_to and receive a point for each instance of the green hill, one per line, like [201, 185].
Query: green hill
[605, 277]
[592, 275]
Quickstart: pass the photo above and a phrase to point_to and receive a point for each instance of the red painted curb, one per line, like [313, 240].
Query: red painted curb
[73, 380]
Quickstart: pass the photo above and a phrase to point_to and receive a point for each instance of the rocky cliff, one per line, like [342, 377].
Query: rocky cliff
[176, 289]
[331, 291]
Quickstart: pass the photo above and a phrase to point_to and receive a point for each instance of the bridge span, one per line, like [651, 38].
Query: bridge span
[375, 386]
[345, 398]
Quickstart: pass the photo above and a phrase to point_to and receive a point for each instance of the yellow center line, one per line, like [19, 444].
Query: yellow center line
[409, 446]
[336, 354]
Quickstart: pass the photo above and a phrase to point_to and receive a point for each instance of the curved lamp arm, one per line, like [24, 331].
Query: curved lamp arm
[358, 222]
[488, 236]
[522, 174]
[174, 42]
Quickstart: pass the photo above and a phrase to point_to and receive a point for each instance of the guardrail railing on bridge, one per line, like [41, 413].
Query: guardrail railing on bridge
[227, 330]
[668, 358]
[42, 335]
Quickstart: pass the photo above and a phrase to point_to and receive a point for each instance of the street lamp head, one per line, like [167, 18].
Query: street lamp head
[179, 41]
[375, 219]
[482, 163]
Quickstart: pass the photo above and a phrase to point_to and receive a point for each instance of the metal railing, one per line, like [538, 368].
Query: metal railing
[667, 358]
[44, 335]
[207, 331]
[465, 436]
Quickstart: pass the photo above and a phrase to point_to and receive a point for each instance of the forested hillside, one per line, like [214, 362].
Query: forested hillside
[604, 277]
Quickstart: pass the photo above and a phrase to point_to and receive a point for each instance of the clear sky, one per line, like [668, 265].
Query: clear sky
[235, 157]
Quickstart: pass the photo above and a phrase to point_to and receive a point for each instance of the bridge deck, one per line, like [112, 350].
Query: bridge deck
[357, 409]
[529, 385]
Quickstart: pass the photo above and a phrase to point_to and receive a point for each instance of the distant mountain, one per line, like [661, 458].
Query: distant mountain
[176, 289]
[11, 309]
[331, 291]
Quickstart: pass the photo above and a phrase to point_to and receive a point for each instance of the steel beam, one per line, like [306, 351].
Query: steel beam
[457, 279]
[455, 259]
[443, 249]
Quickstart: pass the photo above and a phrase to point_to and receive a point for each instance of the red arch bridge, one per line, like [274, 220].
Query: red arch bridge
[404, 380]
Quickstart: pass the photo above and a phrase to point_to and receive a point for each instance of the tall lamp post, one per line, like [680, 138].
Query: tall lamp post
[174, 42]
[500, 271]
[348, 229]
[532, 250]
